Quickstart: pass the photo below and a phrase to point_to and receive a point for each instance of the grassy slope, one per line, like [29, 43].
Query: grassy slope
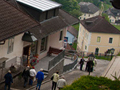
[93, 83]
[76, 26]
[117, 26]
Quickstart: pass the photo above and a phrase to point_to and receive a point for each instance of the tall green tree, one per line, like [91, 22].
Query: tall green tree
[70, 6]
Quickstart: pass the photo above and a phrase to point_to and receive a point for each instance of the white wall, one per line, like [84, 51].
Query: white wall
[53, 41]
[17, 50]
[88, 15]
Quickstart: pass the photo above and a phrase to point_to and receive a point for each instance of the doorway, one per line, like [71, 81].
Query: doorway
[96, 51]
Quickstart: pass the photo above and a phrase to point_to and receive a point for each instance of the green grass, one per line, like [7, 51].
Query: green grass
[93, 83]
[104, 57]
[76, 26]
[74, 46]
[118, 54]
[117, 26]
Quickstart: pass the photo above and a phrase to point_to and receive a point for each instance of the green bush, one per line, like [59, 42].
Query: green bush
[76, 26]
[74, 46]
[93, 83]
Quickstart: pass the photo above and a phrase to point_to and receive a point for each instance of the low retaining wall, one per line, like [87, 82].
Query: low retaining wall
[58, 67]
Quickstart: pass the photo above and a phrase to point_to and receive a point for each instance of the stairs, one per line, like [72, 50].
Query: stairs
[113, 68]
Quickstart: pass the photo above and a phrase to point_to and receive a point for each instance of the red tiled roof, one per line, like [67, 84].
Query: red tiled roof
[73, 31]
[13, 22]
[100, 25]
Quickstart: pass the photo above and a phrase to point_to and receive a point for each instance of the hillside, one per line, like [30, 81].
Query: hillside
[70, 6]
[73, 8]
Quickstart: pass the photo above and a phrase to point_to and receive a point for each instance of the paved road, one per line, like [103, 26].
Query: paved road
[75, 74]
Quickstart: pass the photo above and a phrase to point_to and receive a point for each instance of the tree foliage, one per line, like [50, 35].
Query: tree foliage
[106, 17]
[70, 6]
[96, 2]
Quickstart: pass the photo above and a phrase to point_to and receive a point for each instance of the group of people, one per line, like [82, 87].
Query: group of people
[31, 75]
[89, 64]
[28, 74]
[58, 81]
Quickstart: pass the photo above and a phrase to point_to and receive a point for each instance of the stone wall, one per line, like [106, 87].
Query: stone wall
[58, 67]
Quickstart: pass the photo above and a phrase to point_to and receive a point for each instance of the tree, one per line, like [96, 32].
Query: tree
[70, 6]
[106, 17]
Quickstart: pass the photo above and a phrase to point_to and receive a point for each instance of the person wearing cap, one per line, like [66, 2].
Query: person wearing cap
[32, 75]
[8, 80]
[61, 83]
[39, 77]
[54, 81]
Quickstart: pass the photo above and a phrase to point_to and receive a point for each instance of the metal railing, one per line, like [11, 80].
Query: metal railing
[71, 65]
[56, 60]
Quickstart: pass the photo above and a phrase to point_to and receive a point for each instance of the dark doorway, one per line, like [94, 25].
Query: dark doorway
[25, 55]
[96, 51]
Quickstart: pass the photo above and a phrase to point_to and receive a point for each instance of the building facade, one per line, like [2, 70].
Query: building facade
[88, 10]
[42, 27]
[97, 35]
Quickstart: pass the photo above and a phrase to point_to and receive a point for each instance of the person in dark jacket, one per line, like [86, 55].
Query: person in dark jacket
[26, 75]
[39, 77]
[8, 80]
[90, 66]
[81, 63]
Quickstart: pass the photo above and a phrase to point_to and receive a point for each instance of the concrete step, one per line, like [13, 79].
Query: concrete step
[113, 68]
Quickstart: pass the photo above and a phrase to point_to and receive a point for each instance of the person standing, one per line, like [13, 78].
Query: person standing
[61, 83]
[39, 77]
[54, 81]
[81, 63]
[95, 63]
[26, 75]
[90, 66]
[32, 75]
[8, 80]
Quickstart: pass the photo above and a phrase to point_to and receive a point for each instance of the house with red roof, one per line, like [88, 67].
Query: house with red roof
[98, 36]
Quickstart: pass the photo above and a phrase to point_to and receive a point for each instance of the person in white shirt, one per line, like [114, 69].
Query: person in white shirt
[32, 75]
[61, 83]
[54, 81]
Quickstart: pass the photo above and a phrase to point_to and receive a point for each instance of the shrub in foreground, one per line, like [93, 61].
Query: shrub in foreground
[93, 83]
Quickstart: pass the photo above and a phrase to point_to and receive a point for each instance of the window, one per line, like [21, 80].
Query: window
[83, 32]
[10, 45]
[98, 39]
[43, 44]
[86, 36]
[61, 34]
[54, 13]
[85, 47]
[46, 15]
[110, 40]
